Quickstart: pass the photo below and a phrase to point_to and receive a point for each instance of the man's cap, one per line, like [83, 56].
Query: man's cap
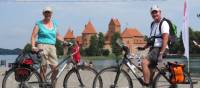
[47, 9]
[155, 8]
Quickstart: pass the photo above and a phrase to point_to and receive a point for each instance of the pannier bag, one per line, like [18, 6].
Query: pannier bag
[22, 74]
[28, 59]
[177, 72]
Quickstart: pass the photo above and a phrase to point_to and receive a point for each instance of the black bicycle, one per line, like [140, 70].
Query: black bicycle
[119, 76]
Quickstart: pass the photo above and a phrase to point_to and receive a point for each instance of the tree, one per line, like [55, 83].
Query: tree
[27, 48]
[116, 50]
[100, 43]
[93, 48]
[180, 45]
[59, 47]
[105, 52]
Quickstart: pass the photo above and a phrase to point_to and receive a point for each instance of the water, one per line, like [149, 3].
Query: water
[99, 64]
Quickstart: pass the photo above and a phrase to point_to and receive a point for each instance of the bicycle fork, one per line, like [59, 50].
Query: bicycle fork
[79, 78]
[116, 78]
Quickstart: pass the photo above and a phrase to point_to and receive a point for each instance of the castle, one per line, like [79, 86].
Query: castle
[130, 36]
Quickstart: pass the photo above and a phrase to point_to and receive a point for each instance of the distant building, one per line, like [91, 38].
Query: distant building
[69, 35]
[87, 33]
[114, 26]
[130, 36]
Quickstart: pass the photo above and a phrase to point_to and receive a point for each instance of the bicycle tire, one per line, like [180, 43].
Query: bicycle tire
[87, 74]
[105, 81]
[11, 73]
[186, 84]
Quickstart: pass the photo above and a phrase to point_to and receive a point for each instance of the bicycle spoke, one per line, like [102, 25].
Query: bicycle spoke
[86, 77]
[109, 75]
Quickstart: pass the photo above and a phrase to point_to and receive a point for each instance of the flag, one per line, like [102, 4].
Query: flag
[185, 31]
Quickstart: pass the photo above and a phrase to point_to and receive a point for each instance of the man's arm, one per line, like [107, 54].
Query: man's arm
[33, 36]
[165, 35]
[164, 42]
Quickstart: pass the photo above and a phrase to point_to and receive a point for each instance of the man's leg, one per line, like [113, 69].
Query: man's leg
[146, 70]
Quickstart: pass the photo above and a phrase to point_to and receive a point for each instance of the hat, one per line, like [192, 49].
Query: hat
[47, 9]
[155, 8]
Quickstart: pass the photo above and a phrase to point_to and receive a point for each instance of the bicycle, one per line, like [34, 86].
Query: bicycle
[75, 77]
[119, 77]
[21, 75]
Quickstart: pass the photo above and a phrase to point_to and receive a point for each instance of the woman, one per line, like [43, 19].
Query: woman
[46, 32]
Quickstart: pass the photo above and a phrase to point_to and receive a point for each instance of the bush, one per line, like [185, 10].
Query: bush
[106, 52]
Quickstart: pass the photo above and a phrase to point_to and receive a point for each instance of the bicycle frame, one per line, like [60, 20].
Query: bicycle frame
[57, 68]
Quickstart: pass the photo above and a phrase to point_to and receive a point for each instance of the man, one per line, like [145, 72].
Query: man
[157, 44]
[46, 32]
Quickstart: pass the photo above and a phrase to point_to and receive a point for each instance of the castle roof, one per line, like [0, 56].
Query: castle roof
[89, 29]
[69, 34]
[131, 32]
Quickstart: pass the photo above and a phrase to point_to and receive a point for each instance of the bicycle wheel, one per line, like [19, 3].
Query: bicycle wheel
[33, 80]
[80, 77]
[161, 81]
[108, 76]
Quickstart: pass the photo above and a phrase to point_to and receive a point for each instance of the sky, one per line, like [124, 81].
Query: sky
[18, 17]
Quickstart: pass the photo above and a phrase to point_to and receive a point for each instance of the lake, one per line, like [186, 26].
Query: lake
[99, 64]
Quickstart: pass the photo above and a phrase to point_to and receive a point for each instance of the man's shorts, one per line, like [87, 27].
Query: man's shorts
[153, 57]
[49, 55]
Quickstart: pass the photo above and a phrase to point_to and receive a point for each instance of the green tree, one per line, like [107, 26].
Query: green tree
[116, 50]
[105, 52]
[194, 35]
[180, 45]
[93, 48]
[59, 47]
[27, 48]
[100, 43]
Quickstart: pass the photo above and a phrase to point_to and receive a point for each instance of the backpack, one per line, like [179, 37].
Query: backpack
[172, 31]
[177, 72]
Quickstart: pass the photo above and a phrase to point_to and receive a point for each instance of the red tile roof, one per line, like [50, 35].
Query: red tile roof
[89, 29]
[69, 34]
[130, 32]
[114, 21]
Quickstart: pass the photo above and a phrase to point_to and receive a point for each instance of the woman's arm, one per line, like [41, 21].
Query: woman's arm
[34, 34]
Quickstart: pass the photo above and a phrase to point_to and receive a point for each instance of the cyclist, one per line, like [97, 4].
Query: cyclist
[157, 44]
[46, 32]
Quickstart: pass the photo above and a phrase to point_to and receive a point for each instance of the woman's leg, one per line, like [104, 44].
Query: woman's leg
[43, 70]
[54, 74]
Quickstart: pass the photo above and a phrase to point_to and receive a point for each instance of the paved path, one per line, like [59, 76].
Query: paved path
[88, 78]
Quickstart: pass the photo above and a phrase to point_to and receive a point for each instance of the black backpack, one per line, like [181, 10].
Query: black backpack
[172, 31]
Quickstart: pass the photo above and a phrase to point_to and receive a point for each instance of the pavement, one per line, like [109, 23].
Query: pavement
[88, 77]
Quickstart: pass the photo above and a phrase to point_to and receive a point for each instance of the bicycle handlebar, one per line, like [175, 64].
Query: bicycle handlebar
[68, 44]
[123, 46]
